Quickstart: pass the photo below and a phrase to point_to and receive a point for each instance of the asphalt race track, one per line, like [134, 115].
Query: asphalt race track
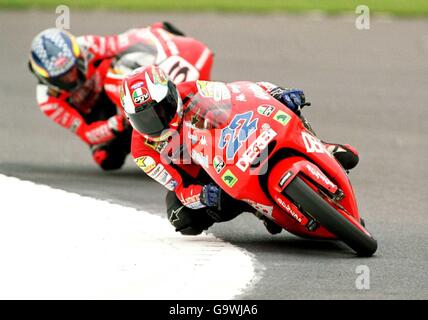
[367, 88]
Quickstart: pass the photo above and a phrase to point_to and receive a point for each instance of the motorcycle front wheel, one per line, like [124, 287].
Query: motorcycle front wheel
[314, 205]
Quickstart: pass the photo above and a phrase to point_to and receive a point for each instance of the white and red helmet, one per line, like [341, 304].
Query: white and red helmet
[151, 102]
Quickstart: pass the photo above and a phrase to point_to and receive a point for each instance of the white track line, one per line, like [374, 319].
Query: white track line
[60, 245]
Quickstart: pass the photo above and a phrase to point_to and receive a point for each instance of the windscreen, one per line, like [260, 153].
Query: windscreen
[210, 108]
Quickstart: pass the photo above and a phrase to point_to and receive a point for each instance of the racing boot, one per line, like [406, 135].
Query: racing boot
[270, 226]
[345, 154]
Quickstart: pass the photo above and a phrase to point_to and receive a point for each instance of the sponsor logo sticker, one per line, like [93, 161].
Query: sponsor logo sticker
[140, 95]
[218, 164]
[255, 149]
[171, 185]
[289, 209]
[265, 110]
[155, 172]
[163, 177]
[281, 117]
[157, 146]
[229, 178]
[320, 176]
[210, 89]
[145, 163]
[193, 202]
[313, 144]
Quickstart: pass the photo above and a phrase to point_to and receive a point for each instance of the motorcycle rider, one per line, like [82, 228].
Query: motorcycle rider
[70, 91]
[193, 202]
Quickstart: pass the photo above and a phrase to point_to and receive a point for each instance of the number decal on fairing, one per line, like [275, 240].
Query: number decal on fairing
[239, 130]
[179, 69]
[313, 144]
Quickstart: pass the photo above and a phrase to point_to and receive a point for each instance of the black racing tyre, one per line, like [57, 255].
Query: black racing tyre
[313, 204]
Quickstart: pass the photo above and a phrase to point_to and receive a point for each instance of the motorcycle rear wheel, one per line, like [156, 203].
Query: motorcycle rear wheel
[313, 204]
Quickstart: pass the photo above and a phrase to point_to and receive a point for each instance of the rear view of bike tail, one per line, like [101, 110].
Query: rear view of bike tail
[303, 191]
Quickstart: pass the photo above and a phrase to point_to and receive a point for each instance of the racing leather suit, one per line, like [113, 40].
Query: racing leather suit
[185, 210]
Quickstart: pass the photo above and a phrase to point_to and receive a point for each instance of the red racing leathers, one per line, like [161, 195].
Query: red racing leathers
[155, 160]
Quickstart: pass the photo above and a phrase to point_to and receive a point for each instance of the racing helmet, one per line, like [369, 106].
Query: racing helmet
[151, 102]
[56, 59]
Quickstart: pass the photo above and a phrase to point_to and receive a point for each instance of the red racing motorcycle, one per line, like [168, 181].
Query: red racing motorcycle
[260, 152]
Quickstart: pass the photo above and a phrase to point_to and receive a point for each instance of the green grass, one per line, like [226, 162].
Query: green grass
[395, 7]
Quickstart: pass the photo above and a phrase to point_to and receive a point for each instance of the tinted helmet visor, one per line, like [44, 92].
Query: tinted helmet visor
[153, 117]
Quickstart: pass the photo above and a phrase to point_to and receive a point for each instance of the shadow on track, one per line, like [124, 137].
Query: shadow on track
[252, 236]
[290, 246]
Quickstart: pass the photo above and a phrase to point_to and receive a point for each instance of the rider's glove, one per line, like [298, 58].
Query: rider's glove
[294, 99]
[210, 195]
[118, 123]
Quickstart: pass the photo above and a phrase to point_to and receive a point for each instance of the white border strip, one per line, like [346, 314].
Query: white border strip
[61, 245]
